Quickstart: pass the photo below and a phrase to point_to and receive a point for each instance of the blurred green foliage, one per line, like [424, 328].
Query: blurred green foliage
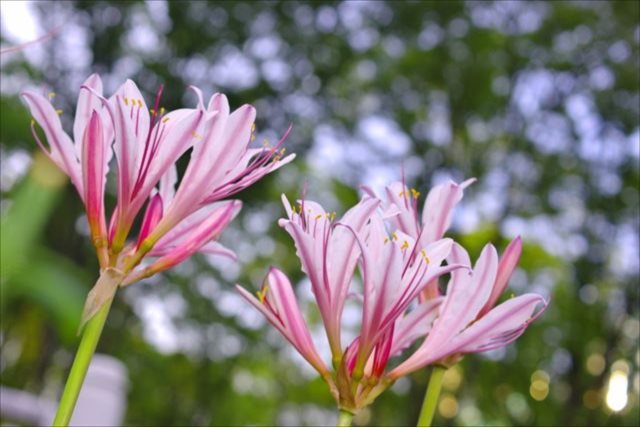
[538, 100]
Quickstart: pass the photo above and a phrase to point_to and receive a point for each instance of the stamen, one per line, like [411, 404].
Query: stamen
[394, 236]
[52, 95]
[59, 112]
[415, 193]
[126, 100]
[165, 120]
[139, 103]
[196, 135]
[262, 294]
[162, 110]
[425, 257]
[318, 217]
[405, 245]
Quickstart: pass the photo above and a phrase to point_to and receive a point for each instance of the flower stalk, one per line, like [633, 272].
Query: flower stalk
[431, 396]
[86, 349]
[344, 418]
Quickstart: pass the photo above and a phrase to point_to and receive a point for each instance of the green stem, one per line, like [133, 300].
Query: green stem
[344, 419]
[431, 397]
[87, 347]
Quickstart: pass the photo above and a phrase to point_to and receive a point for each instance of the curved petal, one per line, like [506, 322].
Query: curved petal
[216, 248]
[94, 177]
[206, 231]
[508, 263]
[62, 150]
[415, 325]
[438, 209]
[501, 326]
[466, 295]
[87, 103]
[278, 304]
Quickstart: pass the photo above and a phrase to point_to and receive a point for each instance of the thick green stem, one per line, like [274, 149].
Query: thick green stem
[344, 418]
[431, 397]
[88, 343]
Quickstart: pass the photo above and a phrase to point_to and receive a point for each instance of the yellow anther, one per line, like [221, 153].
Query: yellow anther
[284, 150]
[196, 135]
[33, 122]
[415, 193]
[162, 110]
[139, 103]
[318, 217]
[262, 293]
[394, 236]
[152, 111]
[253, 127]
[253, 138]
[165, 120]
[59, 112]
[402, 193]
[266, 143]
[333, 216]
[405, 245]
[52, 95]
[126, 100]
[424, 256]
[386, 240]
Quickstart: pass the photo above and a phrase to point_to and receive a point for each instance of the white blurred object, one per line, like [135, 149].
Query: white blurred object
[102, 400]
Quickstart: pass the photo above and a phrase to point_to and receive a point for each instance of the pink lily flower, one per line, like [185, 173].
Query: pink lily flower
[147, 143]
[466, 320]
[394, 270]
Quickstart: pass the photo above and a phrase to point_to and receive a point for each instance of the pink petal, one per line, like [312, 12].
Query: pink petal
[151, 218]
[235, 183]
[94, 177]
[415, 325]
[501, 326]
[87, 103]
[438, 209]
[195, 184]
[127, 116]
[507, 265]
[217, 249]
[205, 231]
[466, 295]
[280, 307]
[62, 150]
[170, 138]
[343, 252]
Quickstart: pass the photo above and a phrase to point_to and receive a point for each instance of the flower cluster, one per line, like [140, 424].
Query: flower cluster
[178, 220]
[401, 257]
